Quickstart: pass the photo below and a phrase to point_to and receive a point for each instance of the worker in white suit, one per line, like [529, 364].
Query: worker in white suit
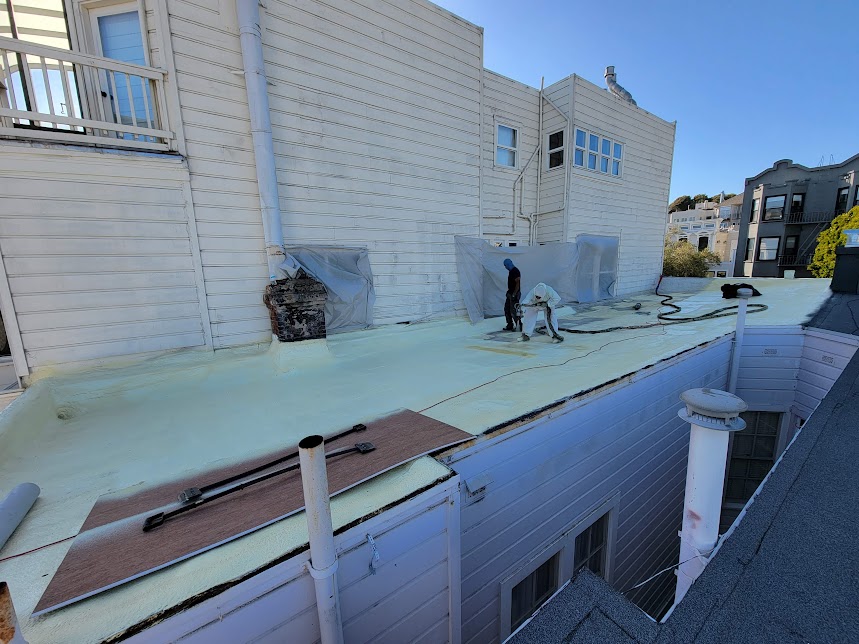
[541, 297]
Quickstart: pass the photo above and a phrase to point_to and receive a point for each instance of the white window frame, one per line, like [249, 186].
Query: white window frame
[609, 159]
[565, 544]
[516, 150]
[562, 149]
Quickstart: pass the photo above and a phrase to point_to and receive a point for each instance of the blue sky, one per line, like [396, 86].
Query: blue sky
[748, 82]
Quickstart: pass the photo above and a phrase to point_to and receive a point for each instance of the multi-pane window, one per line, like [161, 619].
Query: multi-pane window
[753, 453]
[756, 207]
[841, 201]
[750, 249]
[598, 153]
[556, 149]
[591, 547]
[791, 244]
[856, 197]
[506, 146]
[768, 250]
[530, 593]
[797, 204]
[774, 208]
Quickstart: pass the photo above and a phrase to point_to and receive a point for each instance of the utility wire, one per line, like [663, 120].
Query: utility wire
[654, 576]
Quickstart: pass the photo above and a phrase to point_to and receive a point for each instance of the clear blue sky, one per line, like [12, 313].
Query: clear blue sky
[748, 82]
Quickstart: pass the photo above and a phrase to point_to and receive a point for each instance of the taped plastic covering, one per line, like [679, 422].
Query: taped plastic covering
[596, 274]
[483, 278]
[347, 276]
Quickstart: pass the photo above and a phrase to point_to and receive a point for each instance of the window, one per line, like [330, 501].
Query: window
[721, 274]
[756, 207]
[597, 153]
[530, 593]
[791, 243]
[683, 239]
[753, 453]
[841, 201]
[774, 208]
[856, 197]
[797, 204]
[768, 250]
[750, 245]
[591, 548]
[506, 146]
[703, 243]
[556, 149]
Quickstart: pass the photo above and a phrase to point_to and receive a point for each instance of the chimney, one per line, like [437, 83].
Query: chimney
[712, 414]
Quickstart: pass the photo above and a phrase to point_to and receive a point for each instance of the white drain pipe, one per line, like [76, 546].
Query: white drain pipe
[713, 415]
[744, 294]
[256, 83]
[323, 557]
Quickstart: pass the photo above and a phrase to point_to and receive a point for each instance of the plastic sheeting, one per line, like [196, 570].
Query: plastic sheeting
[348, 278]
[596, 273]
[483, 278]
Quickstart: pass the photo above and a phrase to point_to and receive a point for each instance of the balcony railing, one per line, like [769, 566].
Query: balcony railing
[62, 95]
[813, 217]
[795, 260]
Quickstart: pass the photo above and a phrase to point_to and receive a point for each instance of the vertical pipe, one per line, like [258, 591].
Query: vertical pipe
[532, 223]
[323, 557]
[250, 35]
[744, 294]
[713, 414]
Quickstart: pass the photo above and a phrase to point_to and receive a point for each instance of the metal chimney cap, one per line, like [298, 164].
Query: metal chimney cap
[713, 409]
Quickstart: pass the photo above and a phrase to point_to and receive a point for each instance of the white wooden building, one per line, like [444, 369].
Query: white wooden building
[131, 220]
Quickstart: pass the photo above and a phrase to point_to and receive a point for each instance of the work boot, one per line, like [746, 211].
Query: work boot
[509, 327]
[524, 338]
[557, 339]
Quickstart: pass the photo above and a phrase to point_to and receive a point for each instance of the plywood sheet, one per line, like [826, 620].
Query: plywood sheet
[112, 549]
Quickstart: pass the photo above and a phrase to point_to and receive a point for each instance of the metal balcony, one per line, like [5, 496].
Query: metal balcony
[812, 217]
[795, 260]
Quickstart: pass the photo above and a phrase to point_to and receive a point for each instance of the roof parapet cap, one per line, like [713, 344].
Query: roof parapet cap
[713, 409]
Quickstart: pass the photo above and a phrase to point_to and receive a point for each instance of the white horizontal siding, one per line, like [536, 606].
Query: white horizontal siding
[511, 103]
[628, 439]
[769, 366]
[406, 599]
[375, 110]
[633, 207]
[824, 356]
[98, 253]
[553, 183]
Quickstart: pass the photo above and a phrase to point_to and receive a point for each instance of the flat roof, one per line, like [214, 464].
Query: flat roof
[144, 424]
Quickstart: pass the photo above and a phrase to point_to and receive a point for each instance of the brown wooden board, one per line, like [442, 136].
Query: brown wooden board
[112, 549]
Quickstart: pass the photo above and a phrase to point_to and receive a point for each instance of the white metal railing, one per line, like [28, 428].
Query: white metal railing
[61, 95]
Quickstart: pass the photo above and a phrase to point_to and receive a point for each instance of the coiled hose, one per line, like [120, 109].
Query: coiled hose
[665, 319]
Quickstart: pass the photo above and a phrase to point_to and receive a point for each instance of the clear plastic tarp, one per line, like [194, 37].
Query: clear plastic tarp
[596, 273]
[483, 278]
[347, 276]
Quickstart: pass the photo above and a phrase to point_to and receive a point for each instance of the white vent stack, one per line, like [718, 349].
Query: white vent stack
[323, 557]
[743, 294]
[713, 414]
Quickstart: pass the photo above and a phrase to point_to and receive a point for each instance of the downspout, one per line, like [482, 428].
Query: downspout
[250, 36]
[532, 228]
[323, 557]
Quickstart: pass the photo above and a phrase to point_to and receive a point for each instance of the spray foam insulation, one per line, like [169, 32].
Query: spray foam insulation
[112, 548]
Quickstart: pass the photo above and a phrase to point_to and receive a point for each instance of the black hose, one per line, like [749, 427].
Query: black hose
[665, 320]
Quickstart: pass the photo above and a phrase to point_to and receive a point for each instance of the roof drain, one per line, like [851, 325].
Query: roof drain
[713, 415]
[250, 36]
[323, 557]
[614, 88]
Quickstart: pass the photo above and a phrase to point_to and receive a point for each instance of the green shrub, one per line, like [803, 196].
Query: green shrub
[823, 263]
[682, 259]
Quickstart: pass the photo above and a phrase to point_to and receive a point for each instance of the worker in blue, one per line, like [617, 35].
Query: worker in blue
[545, 298]
[514, 292]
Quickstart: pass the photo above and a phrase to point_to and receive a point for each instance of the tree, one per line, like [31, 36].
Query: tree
[823, 263]
[728, 195]
[700, 198]
[682, 259]
[681, 203]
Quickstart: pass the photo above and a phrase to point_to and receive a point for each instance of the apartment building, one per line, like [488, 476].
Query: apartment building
[784, 209]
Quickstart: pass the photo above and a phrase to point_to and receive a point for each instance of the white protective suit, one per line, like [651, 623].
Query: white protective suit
[535, 301]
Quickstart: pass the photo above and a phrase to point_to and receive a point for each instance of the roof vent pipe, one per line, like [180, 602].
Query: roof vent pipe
[614, 88]
[250, 37]
[323, 556]
[733, 374]
[713, 415]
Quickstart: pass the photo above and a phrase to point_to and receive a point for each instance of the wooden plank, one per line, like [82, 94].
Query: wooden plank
[112, 548]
